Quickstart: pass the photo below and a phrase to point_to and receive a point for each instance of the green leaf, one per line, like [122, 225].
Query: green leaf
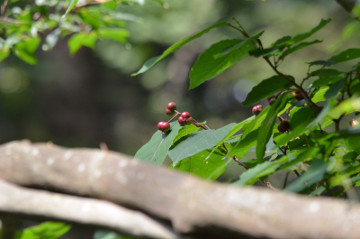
[244, 145]
[298, 47]
[46, 230]
[335, 89]
[266, 88]
[152, 61]
[207, 66]
[250, 176]
[346, 55]
[184, 131]
[71, 6]
[157, 148]
[298, 125]
[267, 126]
[303, 36]
[25, 49]
[218, 58]
[206, 164]
[116, 34]
[313, 175]
[82, 39]
[326, 77]
[4, 52]
[198, 142]
[322, 63]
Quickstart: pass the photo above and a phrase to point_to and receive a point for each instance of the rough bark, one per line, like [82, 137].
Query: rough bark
[193, 206]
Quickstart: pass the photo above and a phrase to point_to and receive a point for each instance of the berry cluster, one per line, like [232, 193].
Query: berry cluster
[184, 118]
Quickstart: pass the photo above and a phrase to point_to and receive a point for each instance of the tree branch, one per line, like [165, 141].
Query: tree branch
[35, 204]
[193, 206]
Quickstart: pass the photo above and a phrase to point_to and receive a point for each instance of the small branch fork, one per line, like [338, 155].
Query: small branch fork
[259, 45]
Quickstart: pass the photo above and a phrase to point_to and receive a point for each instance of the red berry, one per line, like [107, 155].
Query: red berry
[284, 126]
[185, 115]
[189, 120]
[257, 109]
[182, 121]
[171, 106]
[298, 95]
[169, 111]
[163, 126]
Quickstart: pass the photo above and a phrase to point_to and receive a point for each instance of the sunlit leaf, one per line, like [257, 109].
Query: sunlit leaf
[48, 230]
[157, 148]
[152, 61]
[119, 35]
[198, 142]
[206, 164]
[82, 39]
[71, 6]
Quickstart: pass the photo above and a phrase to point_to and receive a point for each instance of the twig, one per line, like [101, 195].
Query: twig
[3, 7]
[265, 182]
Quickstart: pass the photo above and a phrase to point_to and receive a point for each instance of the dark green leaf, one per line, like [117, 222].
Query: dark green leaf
[326, 77]
[267, 126]
[303, 36]
[313, 175]
[207, 66]
[298, 125]
[322, 63]
[346, 55]
[335, 89]
[267, 51]
[297, 47]
[206, 164]
[266, 88]
[152, 61]
[71, 6]
[157, 148]
[198, 142]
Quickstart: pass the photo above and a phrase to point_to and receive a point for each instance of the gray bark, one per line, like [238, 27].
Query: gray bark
[192, 206]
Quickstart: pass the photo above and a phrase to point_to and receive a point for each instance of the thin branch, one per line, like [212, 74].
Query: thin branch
[3, 7]
[30, 203]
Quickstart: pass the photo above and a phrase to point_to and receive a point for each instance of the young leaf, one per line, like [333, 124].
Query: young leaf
[346, 55]
[25, 50]
[267, 126]
[313, 175]
[198, 142]
[71, 6]
[152, 61]
[157, 148]
[118, 35]
[297, 47]
[81, 39]
[206, 164]
[218, 58]
[266, 88]
[48, 230]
